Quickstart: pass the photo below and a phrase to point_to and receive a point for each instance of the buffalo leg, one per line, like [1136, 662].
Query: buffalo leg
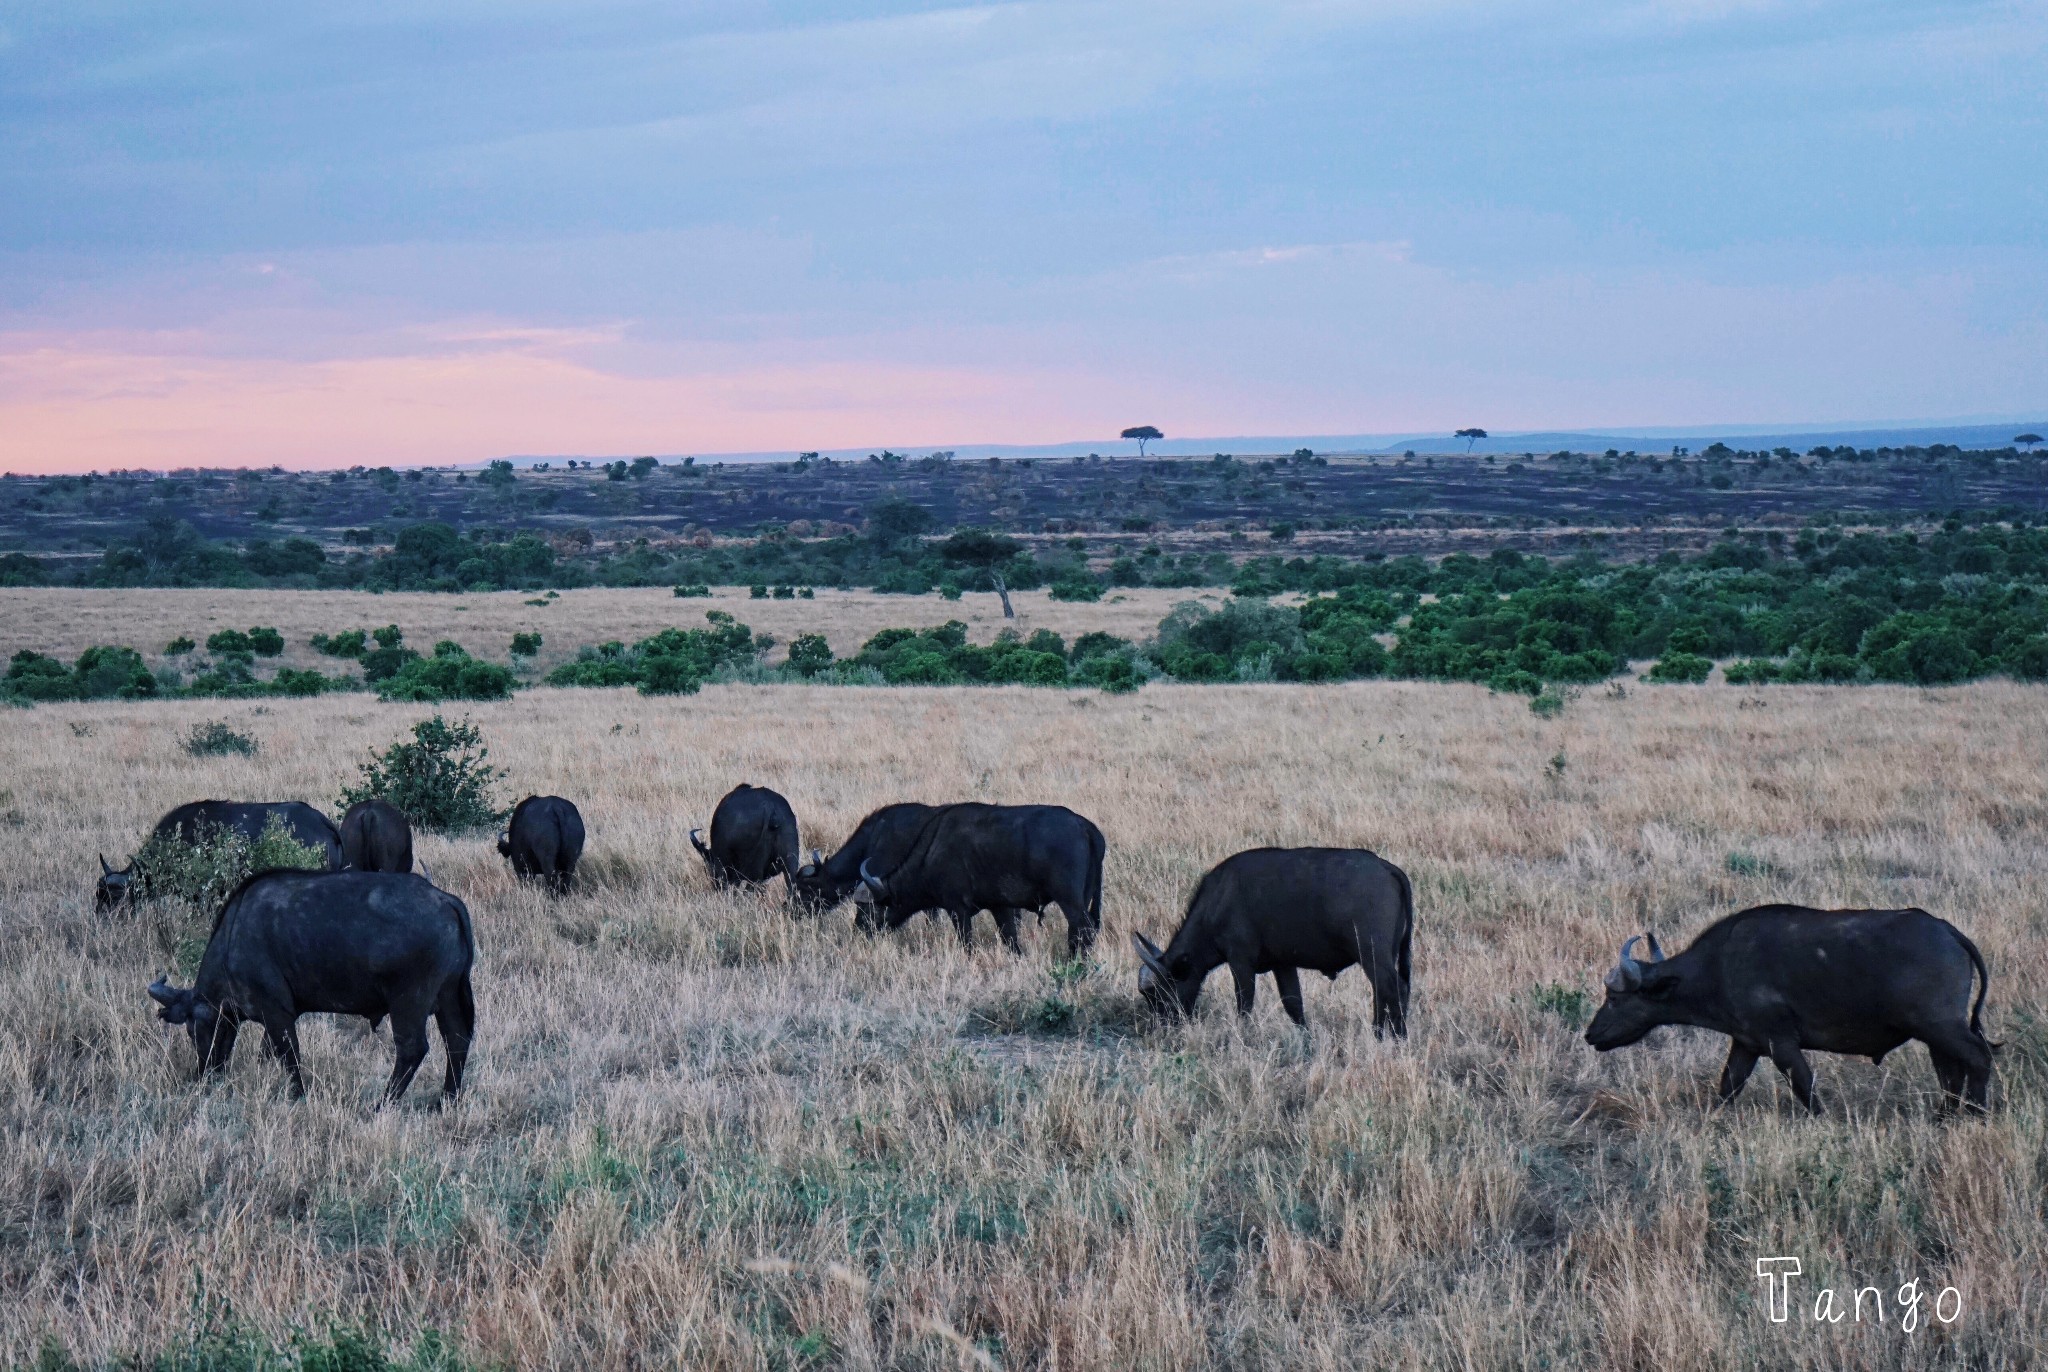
[1785, 1053]
[1967, 1079]
[409, 1035]
[1080, 927]
[1247, 986]
[1735, 1073]
[963, 925]
[282, 1039]
[455, 1016]
[1288, 979]
[221, 1046]
[1008, 918]
[1389, 998]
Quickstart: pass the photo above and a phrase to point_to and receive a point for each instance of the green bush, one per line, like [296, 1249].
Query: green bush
[207, 869]
[351, 644]
[179, 646]
[450, 674]
[1078, 588]
[686, 592]
[526, 645]
[229, 641]
[1683, 668]
[809, 654]
[265, 642]
[441, 779]
[672, 662]
[757, 592]
[217, 739]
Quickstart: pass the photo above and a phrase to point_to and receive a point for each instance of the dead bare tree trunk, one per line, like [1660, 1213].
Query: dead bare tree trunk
[1003, 594]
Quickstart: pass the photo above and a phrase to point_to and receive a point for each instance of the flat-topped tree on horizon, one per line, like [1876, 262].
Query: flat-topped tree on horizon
[1470, 436]
[1144, 433]
[2026, 441]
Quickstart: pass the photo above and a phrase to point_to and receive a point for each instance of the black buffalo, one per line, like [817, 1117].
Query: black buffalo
[290, 943]
[884, 835]
[375, 837]
[753, 837]
[190, 822]
[1002, 858]
[544, 839]
[1280, 910]
[1783, 979]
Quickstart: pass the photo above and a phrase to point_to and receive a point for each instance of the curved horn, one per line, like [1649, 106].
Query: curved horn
[1628, 973]
[106, 868]
[870, 880]
[817, 858]
[1656, 953]
[162, 993]
[1151, 962]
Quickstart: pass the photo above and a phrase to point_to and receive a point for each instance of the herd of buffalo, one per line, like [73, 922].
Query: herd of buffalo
[368, 937]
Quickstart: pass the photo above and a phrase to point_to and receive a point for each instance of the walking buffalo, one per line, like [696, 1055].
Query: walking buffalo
[1002, 858]
[544, 839]
[375, 837]
[753, 837]
[885, 835]
[1280, 910]
[289, 943]
[1784, 979]
[190, 822]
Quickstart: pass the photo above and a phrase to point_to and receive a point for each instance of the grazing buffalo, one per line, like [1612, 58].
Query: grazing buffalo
[544, 839]
[1280, 910]
[189, 822]
[292, 943]
[753, 837]
[1002, 858]
[885, 835]
[375, 837]
[1782, 979]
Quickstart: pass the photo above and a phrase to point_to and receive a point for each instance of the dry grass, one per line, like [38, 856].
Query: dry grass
[66, 622]
[703, 1134]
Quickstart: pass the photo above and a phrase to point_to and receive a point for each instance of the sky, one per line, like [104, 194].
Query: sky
[248, 233]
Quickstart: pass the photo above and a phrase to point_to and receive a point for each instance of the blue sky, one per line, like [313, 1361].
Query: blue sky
[247, 233]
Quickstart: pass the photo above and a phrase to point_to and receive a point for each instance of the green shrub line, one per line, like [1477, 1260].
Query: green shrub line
[1957, 606]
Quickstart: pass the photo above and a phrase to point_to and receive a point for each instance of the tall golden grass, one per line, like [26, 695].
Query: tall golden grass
[702, 1133]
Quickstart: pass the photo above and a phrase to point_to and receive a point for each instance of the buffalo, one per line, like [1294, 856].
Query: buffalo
[1784, 979]
[886, 834]
[1280, 910]
[375, 837]
[291, 943]
[544, 839]
[753, 837]
[1002, 858]
[188, 823]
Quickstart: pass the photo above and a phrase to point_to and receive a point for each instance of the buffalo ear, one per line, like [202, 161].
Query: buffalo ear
[1658, 981]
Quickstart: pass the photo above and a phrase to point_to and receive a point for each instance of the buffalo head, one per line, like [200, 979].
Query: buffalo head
[808, 888]
[115, 885]
[1636, 994]
[212, 1037]
[1171, 993]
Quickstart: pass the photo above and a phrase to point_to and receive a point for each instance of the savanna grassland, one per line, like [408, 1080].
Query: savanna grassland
[702, 1133]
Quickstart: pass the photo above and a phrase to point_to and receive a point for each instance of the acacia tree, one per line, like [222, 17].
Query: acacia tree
[988, 551]
[2027, 441]
[1470, 436]
[1144, 433]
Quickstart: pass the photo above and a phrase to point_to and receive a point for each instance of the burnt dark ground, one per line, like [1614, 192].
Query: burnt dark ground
[1623, 507]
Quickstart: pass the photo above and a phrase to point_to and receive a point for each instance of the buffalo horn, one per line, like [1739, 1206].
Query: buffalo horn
[817, 858]
[870, 880]
[160, 991]
[106, 869]
[1656, 953]
[1628, 973]
[1152, 961]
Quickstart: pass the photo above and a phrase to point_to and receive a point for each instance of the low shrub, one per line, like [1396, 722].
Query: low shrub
[1681, 668]
[179, 646]
[1076, 589]
[526, 645]
[218, 739]
[450, 674]
[352, 643]
[229, 641]
[217, 859]
[672, 662]
[441, 778]
[697, 591]
[265, 642]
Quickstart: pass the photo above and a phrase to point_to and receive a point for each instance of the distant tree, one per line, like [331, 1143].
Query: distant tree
[642, 466]
[1144, 433]
[894, 521]
[1470, 436]
[988, 551]
[2027, 441]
